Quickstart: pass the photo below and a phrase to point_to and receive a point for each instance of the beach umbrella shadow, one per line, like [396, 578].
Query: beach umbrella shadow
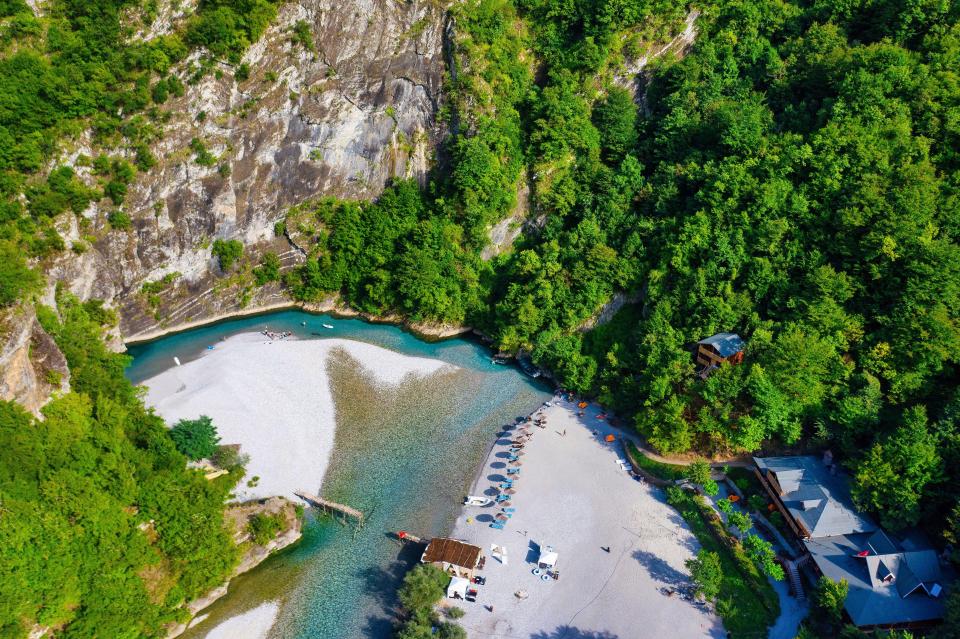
[503, 454]
[498, 465]
[491, 492]
[484, 518]
[496, 477]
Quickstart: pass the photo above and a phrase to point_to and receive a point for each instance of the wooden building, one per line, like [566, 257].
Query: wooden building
[722, 347]
[452, 556]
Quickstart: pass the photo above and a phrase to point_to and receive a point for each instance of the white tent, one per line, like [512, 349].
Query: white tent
[458, 586]
[548, 557]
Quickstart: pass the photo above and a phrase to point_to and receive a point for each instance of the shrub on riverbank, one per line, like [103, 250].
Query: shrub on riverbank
[422, 588]
[745, 600]
[263, 528]
[660, 470]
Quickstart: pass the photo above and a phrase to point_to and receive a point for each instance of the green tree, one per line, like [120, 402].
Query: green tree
[761, 552]
[892, 477]
[707, 573]
[227, 253]
[828, 599]
[739, 520]
[195, 438]
[615, 117]
[16, 278]
[263, 527]
[422, 587]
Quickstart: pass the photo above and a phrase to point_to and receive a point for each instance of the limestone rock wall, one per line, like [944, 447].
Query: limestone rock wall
[32, 368]
[341, 120]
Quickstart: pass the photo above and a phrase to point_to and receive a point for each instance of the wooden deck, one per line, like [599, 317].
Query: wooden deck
[331, 506]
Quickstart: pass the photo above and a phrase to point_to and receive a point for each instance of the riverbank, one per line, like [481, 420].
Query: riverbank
[617, 540]
[272, 397]
[332, 306]
[400, 461]
[254, 554]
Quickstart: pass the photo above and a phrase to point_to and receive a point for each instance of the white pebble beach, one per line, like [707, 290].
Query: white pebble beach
[273, 398]
[573, 495]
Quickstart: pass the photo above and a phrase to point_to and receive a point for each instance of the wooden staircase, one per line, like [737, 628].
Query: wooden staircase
[793, 574]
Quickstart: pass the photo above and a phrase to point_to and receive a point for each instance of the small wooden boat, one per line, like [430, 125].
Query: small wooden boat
[477, 500]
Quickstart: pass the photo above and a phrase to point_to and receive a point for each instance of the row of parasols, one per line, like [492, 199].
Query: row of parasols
[515, 461]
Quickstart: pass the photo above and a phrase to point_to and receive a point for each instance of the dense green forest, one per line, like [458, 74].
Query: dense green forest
[104, 531]
[793, 178]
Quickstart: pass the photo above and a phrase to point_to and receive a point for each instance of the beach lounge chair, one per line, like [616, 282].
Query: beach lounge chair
[509, 510]
[513, 471]
[498, 525]
[507, 484]
[502, 498]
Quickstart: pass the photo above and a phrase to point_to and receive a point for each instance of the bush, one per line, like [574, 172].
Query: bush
[263, 528]
[202, 155]
[116, 191]
[230, 458]
[227, 253]
[269, 269]
[16, 278]
[454, 612]
[195, 438]
[707, 573]
[119, 221]
[242, 73]
[423, 587]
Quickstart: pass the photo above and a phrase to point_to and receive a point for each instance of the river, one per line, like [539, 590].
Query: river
[405, 456]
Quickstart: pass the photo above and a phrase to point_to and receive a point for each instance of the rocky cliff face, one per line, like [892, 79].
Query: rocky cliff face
[31, 365]
[340, 120]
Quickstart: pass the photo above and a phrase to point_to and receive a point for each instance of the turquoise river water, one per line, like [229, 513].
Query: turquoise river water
[405, 456]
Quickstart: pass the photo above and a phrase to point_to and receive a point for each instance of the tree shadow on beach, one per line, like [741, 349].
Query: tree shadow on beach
[569, 632]
[659, 569]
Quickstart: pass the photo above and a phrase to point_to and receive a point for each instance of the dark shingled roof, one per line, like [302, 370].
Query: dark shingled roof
[870, 600]
[451, 551]
[726, 344]
[816, 498]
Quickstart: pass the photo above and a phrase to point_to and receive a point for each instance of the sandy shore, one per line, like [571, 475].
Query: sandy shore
[273, 398]
[572, 495]
[253, 624]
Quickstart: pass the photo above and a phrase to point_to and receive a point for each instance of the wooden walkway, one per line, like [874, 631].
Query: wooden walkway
[331, 506]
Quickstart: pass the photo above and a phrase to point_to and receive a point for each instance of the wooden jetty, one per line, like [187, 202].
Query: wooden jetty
[404, 536]
[331, 506]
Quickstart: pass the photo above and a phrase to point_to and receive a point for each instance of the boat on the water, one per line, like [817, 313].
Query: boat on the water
[477, 500]
[327, 325]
